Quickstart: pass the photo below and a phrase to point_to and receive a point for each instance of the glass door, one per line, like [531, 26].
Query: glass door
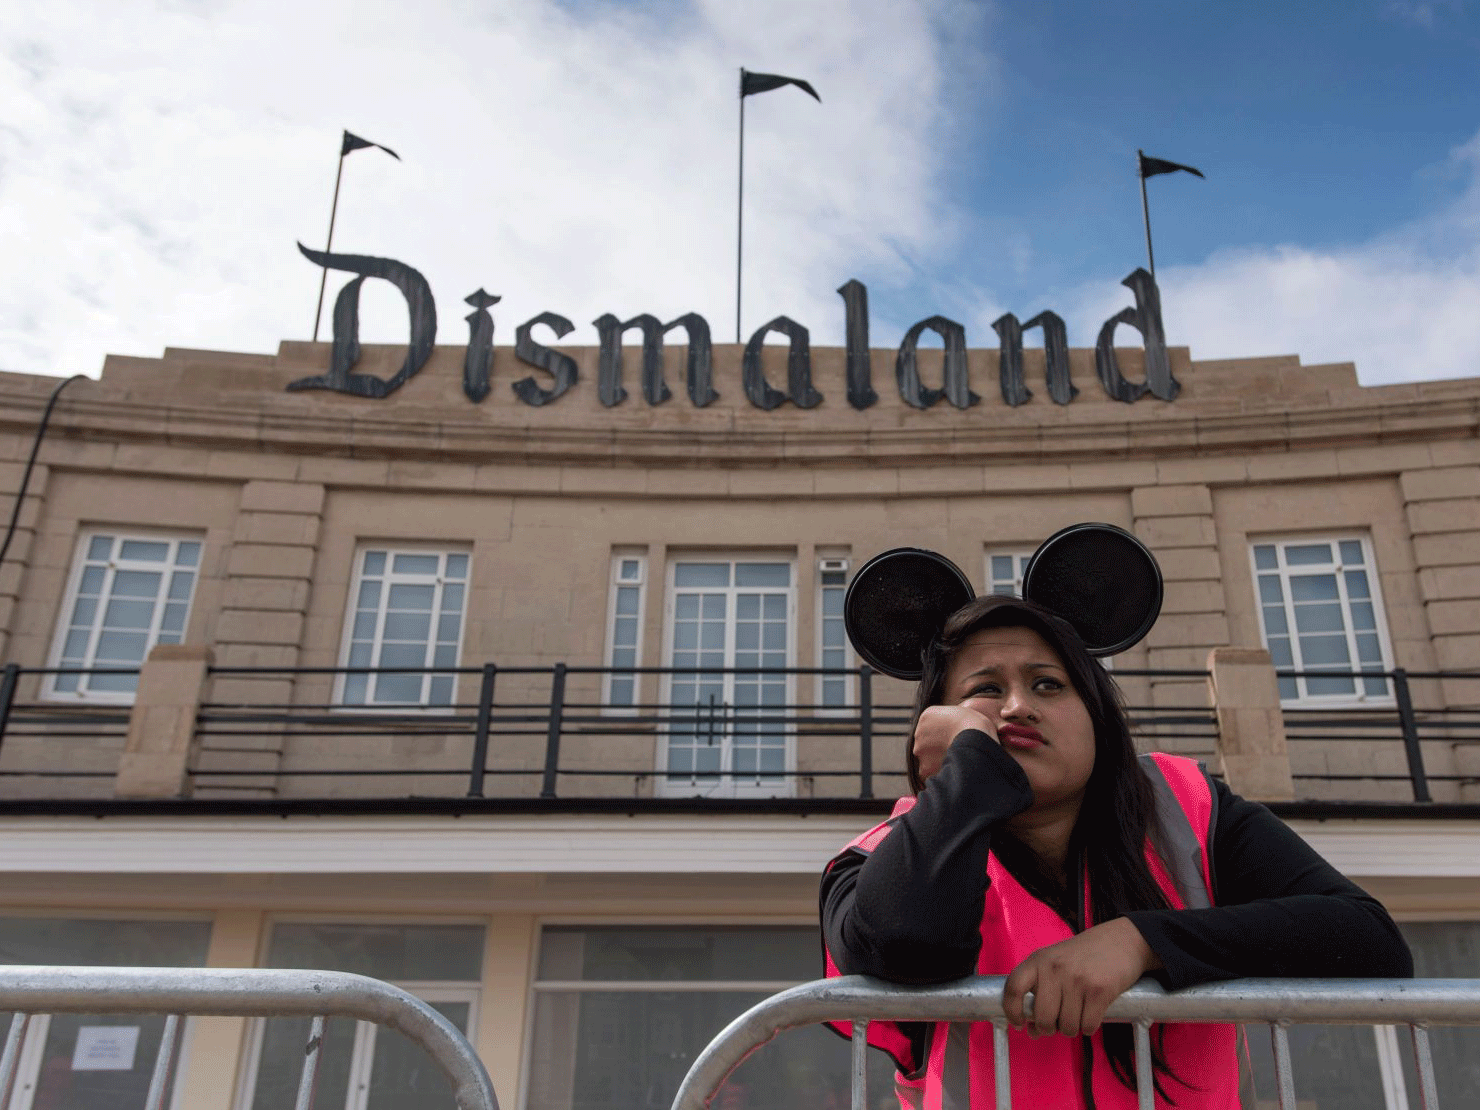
[727, 733]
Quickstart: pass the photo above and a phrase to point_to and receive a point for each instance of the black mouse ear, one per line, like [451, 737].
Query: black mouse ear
[897, 605]
[1099, 578]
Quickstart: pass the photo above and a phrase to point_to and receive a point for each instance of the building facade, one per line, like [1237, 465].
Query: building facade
[540, 705]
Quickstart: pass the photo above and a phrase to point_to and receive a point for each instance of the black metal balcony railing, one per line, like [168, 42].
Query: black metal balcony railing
[546, 732]
[1360, 738]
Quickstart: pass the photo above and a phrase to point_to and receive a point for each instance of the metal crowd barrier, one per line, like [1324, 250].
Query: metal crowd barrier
[1279, 1003]
[232, 992]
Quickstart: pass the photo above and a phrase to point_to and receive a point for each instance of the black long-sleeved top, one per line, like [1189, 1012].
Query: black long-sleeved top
[911, 911]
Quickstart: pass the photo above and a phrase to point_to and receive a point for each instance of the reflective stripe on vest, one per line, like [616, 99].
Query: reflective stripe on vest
[958, 1070]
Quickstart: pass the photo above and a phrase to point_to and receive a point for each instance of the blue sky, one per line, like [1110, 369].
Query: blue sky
[159, 159]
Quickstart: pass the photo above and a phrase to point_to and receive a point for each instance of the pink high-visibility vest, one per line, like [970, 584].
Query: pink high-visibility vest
[958, 1072]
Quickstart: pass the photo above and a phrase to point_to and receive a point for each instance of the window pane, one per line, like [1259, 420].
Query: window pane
[361, 654]
[91, 582]
[369, 597]
[447, 627]
[452, 597]
[457, 566]
[404, 563]
[144, 551]
[398, 689]
[762, 574]
[445, 655]
[647, 952]
[403, 655]
[407, 626]
[181, 584]
[748, 607]
[1364, 618]
[1356, 584]
[75, 648]
[1351, 553]
[129, 614]
[173, 620]
[404, 1077]
[403, 596]
[686, 606]
[1313, 587]
[374, 562]
[121, 647]
[100, 549]
[1279, 651]
[355, 687]
[441, 690]
[364, 627]
[1265, 558]
[747, 636]
[1324, 651]
[137, 583]
[630, 570]
[714, 607]
[1270, 591]
[1307, 554]
[102, 683]
[832, 603]
[1274, 620]
[701, 574]
[627, 601]
[187, 554]
[621, 688]
[1319, 618]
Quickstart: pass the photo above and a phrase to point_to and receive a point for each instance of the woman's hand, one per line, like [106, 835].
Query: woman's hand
[937, 727]
[1074, 982]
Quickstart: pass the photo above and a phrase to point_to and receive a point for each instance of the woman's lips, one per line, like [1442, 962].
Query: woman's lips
[1020, 737]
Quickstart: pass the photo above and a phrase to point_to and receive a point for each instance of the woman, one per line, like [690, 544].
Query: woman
[1038, 846]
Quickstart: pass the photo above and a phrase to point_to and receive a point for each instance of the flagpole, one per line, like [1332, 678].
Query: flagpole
[1145, 209]
[740, 207]
[329, 245]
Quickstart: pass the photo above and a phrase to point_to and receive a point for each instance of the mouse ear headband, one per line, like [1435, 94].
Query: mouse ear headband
[1099, 578]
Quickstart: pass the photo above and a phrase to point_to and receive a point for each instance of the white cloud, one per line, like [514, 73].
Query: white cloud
[1404, 306]
[157, 163]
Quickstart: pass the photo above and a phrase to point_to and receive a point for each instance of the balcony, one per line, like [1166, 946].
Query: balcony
[544, 738]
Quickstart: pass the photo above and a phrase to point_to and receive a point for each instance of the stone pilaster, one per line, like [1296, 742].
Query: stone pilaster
[1176, 522]
[264, 606]
[161, 727]
[1244, 691]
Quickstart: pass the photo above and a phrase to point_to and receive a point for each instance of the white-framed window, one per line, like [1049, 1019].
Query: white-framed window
[621, 1011]
[624, 627]
[363, 1066]
[127, 592]
[406, 610]
[834, 691]
[1005, 572]
[95, 1061]
[727, 732]
[1320, 609]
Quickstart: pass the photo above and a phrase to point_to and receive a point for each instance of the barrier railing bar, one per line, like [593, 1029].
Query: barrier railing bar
[1411, 745]
[308, 1078]
[1284, 1076]
[1000, 1066]
[1428, 1090]
[480, 732]
[12, 1054]
[1277, 1002]
[1145, 1075]
[860, 1065]
[251, 992]
[169, 1044]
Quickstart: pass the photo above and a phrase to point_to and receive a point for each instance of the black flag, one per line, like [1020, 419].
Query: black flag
[751, 83]
[354, 142]
[1150, 167]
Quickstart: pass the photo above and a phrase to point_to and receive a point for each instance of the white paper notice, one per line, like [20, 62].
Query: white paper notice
[105, 1048]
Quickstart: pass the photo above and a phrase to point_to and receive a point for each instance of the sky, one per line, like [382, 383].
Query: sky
[159, 162]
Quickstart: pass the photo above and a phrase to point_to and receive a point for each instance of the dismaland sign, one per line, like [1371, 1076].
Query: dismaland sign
[561, 374]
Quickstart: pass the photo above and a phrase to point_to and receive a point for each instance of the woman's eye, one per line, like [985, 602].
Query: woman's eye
[1048, 684]
[982, 692]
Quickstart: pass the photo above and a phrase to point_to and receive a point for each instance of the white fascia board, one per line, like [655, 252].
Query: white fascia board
[580, 844]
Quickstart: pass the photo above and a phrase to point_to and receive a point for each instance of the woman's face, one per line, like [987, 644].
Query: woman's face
[1014, 679]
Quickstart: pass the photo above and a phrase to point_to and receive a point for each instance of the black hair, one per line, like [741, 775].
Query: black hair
[1117, 815]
